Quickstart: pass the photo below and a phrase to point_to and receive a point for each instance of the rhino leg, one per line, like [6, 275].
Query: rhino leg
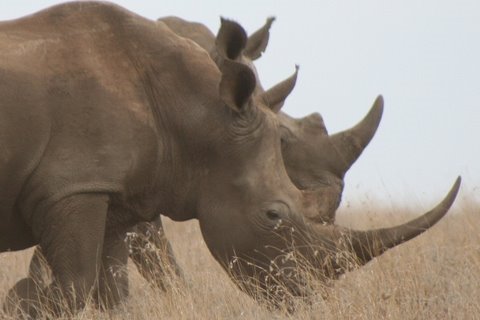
[113, 279]
[22, 300]
[152, 253]
[71, 236]
[39, 270]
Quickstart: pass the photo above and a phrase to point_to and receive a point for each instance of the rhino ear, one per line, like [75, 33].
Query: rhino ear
[275, 97]
[231, 39]
[237, 85]
[258, 41]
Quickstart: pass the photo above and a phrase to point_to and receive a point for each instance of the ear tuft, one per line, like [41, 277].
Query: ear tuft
[237, 84]
[231, 39]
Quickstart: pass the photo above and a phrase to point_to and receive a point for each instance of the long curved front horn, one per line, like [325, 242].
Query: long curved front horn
[351, 143]
[366, 245]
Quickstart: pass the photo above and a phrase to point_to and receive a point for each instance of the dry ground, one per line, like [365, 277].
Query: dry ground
[435, 276]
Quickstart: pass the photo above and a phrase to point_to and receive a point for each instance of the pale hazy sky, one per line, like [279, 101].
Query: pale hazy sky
[422, 56]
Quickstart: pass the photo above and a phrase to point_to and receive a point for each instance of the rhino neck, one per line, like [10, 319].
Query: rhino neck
[184, 119]
[176, 182]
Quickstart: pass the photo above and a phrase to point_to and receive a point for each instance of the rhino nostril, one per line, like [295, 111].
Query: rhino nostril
[273, 215]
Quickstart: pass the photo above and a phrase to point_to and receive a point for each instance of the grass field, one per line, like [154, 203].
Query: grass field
[435, 276]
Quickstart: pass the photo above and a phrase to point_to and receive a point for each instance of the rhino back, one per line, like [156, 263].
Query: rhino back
[195, 31]
[82, 68]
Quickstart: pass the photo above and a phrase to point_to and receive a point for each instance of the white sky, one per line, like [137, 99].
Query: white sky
[422, 56]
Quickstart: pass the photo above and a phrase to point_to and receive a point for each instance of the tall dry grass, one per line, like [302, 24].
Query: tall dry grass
[435, 276]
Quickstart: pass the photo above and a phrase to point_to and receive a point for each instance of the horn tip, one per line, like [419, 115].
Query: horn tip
[377, 108]
[380, 99]
[452, 194]
[457, 183]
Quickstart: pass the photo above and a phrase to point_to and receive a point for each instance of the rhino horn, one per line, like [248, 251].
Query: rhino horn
[366, 245]
[351, 143]
[258, 41]
[231, 39]
[275, 97]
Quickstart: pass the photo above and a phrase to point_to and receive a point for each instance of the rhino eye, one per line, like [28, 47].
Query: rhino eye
[273, 215]
[276, 212]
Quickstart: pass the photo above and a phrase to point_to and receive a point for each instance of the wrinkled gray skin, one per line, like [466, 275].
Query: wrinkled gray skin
[113, 119]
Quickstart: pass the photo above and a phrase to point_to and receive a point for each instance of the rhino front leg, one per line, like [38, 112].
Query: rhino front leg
[113, 279]
[71, 236]
[152, 253]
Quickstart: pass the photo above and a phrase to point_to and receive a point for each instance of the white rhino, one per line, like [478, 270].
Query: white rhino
[315, 161]
[109, 119]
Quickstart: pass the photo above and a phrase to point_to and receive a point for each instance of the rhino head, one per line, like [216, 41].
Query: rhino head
[317, 162]
[279, 218]
[247, 199]
[302, 178]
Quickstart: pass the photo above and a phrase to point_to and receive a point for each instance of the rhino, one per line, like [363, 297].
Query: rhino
[315, 161]
[320, 171]
[112, 119]
[109, 119]
[325, 159]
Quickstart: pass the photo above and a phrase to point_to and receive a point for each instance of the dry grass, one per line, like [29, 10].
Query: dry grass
[436, 276]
